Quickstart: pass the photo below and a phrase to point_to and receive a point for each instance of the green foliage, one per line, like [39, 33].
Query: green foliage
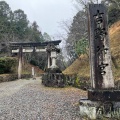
[6, 64]
[46, 37]
[20, 24]
[5, 19]
[113, 10]
[112, 3]
[37, 59]
[82, 82]
[77, 31]
[34, 34]
[81, 46]
[114, 15]
[14, 26]
[77, 82]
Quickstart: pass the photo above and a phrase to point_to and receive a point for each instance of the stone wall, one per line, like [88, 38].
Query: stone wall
[12, 77]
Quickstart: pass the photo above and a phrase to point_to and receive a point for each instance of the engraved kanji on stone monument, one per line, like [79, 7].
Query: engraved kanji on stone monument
[100, 57]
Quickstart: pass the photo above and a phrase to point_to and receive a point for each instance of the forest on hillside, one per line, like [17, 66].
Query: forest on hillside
[15, 27]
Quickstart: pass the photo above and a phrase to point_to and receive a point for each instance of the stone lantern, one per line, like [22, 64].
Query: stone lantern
[52, 56]
[53, 76]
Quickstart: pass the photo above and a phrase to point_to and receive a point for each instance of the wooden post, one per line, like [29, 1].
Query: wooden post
[20, 63]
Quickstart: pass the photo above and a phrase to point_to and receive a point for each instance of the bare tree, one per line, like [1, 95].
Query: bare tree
[84, 3]
[111, 2]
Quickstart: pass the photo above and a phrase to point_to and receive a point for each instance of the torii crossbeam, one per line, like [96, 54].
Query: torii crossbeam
[34, 44]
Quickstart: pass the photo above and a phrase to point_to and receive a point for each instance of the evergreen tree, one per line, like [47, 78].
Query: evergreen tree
[36, 33]
[14, 26]
[113, 10]
[5, 21]
[5, 26]
[46, 37]
[20, 25]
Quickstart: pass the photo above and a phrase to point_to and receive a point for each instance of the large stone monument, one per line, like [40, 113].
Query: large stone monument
[103, 98]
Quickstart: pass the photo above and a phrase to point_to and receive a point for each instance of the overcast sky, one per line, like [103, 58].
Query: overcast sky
[47, 13]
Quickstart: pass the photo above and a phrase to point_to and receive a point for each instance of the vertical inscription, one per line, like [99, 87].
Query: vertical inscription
[101, 73]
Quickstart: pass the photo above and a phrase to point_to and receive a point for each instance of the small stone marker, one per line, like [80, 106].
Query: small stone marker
[33, 73]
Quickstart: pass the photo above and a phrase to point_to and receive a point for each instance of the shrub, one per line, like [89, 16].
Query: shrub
[82, 83]
[77, 82]
[6, 64]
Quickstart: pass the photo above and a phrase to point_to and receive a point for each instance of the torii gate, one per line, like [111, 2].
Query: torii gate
[18, 47]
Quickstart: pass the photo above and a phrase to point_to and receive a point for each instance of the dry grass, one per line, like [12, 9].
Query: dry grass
[115, 48]
[27, 68]
[81, 65]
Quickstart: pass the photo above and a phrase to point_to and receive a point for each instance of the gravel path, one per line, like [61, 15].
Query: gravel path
[29, 100]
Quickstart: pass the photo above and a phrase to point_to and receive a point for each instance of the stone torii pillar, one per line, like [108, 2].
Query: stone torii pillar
[20, 63]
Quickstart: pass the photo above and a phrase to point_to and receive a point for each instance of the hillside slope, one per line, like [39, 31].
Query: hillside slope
[27, 68]
[81, 65]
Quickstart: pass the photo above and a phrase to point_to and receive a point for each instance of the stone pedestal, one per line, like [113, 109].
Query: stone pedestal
[53, 77]
[99, 109]
[104, 95]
